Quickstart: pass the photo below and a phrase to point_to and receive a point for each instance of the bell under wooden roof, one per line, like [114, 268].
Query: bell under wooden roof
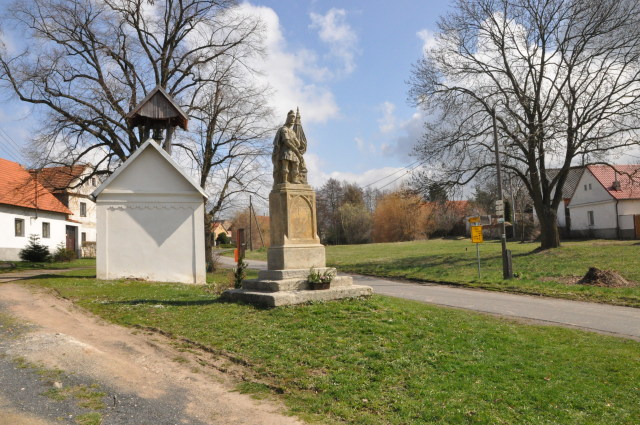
[158, 106]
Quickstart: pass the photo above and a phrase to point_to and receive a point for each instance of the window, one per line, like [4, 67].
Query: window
[93, 181]
[83, 209]
[46, 230]
[585, 187]
[590, 217]
[589, 186]
[19, 223]
[84, 237]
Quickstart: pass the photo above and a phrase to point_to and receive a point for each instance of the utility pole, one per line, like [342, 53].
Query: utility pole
[507, 272]
[250, 227]
[513, 208]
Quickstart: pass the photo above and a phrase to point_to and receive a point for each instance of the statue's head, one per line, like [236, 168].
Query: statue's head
[291, 116]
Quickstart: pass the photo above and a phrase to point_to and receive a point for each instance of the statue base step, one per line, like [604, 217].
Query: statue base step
[291, 284]
[281, 298]
[276, 288]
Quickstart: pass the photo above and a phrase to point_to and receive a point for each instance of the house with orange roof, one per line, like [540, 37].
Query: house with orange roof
[222, 226]
[26, 208]
[72, 185]
[606, 203]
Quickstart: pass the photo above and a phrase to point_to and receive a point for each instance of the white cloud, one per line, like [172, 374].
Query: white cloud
[387, 178]
[334, 30]
[294, 75]
[409, 134]
[428, 39]
[364, 147]
[388, 121]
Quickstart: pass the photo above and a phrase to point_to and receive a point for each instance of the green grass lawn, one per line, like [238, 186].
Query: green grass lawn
[26, 265]
[387, 361]
[551, 272]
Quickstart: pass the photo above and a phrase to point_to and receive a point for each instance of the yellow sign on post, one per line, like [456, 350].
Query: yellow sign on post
[476, 234]
[474, 219]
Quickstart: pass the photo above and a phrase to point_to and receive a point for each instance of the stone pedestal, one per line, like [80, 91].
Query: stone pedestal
[295, 249]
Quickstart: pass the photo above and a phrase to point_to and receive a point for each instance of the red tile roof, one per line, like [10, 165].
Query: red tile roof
[627, 175]
[18, 188]
[58, 179]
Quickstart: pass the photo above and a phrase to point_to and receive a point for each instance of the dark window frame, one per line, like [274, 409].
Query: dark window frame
[18, 227]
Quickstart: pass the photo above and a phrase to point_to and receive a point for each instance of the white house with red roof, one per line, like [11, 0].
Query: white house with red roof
[72, 185]
[26, 208]
[606, 202]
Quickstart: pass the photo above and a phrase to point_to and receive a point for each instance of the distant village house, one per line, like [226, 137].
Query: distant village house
[28, 208]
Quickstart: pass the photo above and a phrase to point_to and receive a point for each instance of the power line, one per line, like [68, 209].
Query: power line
[8, 137]
[389, 175]
[11, 146]
[398, 178]
[10, 151]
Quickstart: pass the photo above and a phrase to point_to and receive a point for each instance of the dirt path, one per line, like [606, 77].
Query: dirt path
[141, 372]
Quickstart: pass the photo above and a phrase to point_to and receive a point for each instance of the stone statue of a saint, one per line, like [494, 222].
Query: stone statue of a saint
[288, 147]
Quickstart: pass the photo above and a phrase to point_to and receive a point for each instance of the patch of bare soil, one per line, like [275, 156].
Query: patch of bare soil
[606, 278]
[144, 363]
[566, 280]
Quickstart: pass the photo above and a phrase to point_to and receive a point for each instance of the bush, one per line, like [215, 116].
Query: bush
[63, 254]
[223, 239]
[35, 252]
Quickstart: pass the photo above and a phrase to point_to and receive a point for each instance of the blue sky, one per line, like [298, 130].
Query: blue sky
[370, 132]
[345, 64]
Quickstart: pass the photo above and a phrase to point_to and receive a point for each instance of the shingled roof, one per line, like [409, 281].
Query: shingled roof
[58, 179]
[19, 188]
[570, 184]
[627, 175]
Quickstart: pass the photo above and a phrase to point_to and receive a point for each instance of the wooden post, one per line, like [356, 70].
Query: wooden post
[240, 245]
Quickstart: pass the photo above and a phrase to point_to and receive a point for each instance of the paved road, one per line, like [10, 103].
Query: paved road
[620, 321]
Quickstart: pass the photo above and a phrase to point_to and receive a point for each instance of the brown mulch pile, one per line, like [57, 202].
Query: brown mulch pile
[607, 278]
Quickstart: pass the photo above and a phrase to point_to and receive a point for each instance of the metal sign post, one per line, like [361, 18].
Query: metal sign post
[476, 238]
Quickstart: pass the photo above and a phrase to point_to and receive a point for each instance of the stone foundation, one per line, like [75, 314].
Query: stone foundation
[303, 256]
[294, 251]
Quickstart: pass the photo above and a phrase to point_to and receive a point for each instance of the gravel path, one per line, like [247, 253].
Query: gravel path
[54, 355]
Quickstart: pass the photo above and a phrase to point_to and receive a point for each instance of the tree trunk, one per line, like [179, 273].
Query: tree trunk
[208, 242]
[549, 235]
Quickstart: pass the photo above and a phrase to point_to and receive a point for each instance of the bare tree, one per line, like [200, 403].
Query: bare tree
[230, 146]
[562, 78]
[88, 63]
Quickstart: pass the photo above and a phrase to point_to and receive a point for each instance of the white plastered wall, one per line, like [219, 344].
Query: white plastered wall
[150, 223]
[10, 244]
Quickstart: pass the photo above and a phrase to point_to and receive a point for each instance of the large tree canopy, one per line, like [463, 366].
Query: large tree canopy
[88, 63]
[563, 77]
